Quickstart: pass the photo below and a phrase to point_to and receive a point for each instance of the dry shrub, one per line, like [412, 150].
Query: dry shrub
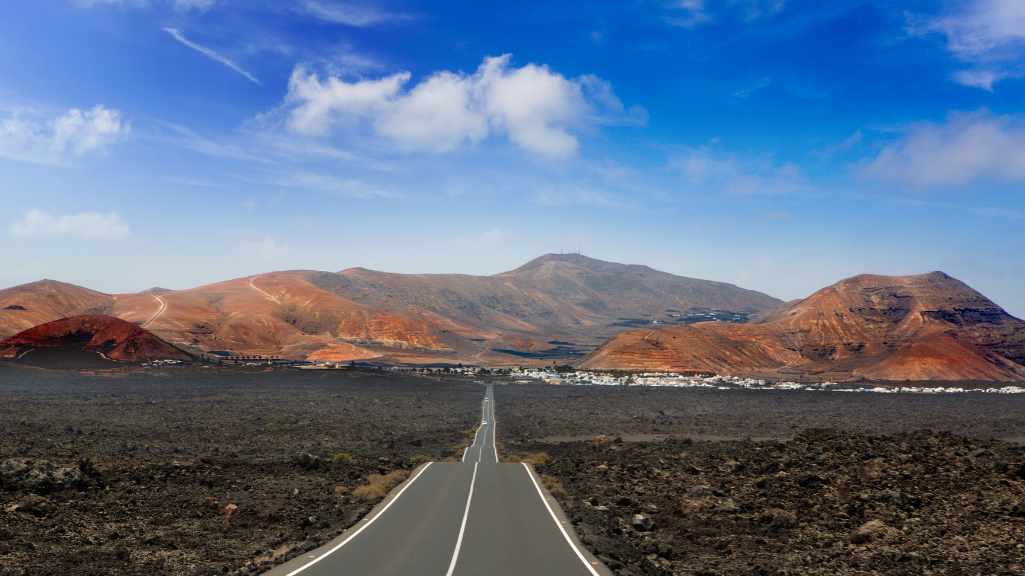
[534, 458]
[419, 459]
[379, 485]
[341, 457]
[554, 487]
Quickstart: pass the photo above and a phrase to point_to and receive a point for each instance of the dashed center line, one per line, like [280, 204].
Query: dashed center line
[462, 526]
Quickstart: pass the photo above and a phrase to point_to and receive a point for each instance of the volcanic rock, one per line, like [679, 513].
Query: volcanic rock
[112, 338]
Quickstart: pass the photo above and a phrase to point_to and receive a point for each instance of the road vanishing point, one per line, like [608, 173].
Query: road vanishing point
[474, 517]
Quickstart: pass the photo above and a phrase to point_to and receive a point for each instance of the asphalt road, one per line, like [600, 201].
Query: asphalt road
[475, 517]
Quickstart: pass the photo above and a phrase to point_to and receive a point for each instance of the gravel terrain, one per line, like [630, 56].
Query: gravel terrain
[662, 481]
[206, 471]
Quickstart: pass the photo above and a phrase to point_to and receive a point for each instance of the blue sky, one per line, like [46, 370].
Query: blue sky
[777, 144]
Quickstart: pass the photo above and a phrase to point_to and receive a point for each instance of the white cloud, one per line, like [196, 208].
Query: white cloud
[30, 138]
[317, 105]
[987, 34]
[984, 79]
[964, 149]
[83, 225]
[211, 54]
[711, 171]
[435, 115]
[351, 14]
[83, 132]
[536, 108]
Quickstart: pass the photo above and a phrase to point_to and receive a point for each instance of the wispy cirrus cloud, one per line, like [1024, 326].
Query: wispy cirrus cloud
[183, 5]
[696, 13]
[689, 13]
[757, 85]
[200, 5]
[357, 15]
[190, 140]
[344, 187]
[265, 248]
[82, 225]
[714, 171]
[576, 195]
[211, 54]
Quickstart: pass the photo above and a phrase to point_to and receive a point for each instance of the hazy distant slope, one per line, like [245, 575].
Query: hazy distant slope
[629, 290]
[929, 326]
[556, 293]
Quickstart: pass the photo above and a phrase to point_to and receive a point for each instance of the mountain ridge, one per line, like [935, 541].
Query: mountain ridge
[917, 327]
[360, 313]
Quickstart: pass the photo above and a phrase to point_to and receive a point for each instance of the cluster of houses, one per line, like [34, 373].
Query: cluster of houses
[718, 382]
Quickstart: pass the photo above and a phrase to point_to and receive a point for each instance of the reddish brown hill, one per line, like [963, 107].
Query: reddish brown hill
[112, 337]
[28, 305]
[359, 313]
[282, 314]
[925, 327]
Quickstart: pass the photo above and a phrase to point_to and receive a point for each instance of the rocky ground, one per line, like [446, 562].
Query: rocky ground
[206, 471]
[671, 482]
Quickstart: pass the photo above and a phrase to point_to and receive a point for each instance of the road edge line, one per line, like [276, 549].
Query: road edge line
[462, 526]
[364, 526]
[494, 425]
[555, 519]
[475, 434]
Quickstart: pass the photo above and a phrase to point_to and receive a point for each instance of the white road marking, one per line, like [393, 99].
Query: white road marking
[368, 523]
[266, 294]
[494, 442]
[462, 527]
[160, 310]
[471, 443]
[559, 524]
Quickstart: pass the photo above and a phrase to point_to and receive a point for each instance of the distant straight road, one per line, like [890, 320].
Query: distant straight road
[475, 517]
